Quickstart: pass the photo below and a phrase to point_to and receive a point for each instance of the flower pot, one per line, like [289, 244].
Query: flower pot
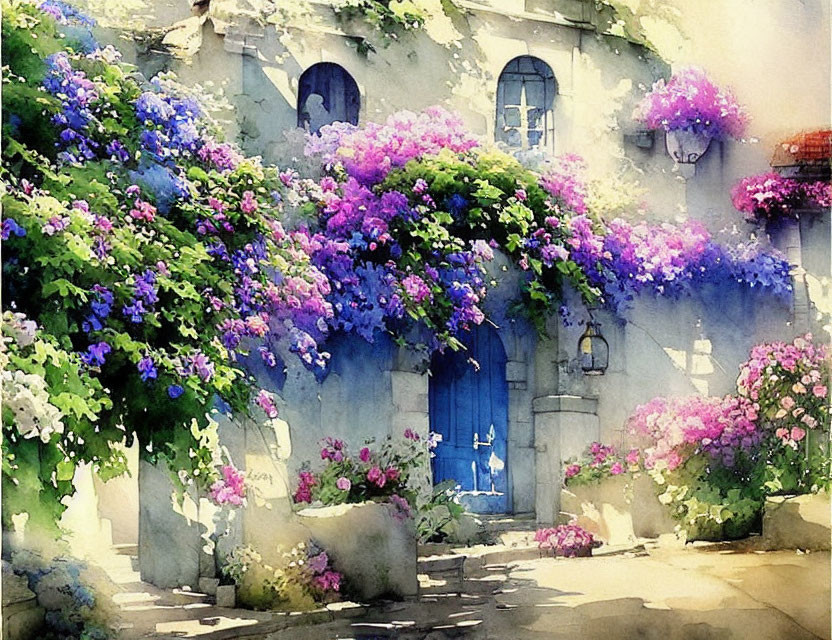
[686, 147]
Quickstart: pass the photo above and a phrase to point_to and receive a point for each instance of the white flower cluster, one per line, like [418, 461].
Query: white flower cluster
[25, 394]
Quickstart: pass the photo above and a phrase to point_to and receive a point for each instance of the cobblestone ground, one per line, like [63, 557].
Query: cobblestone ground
[703, 592]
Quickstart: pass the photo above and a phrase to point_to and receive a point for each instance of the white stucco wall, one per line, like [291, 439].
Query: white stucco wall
[776, 57]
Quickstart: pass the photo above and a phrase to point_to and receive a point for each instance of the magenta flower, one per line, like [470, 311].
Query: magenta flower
[266, 402]
[376, 476]
[249, 204]
[231, 489]
[572, 470]
[617, 469]
[364, 454]
[343, 483]
[690, 101]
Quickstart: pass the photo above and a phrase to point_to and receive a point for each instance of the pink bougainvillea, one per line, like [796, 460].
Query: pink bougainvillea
[690, 101]
[370, 153]
[563, 179]
[231, 488]
[769, 196]
[675, 428]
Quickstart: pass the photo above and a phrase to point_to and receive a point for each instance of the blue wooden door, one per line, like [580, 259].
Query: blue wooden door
[469, 408]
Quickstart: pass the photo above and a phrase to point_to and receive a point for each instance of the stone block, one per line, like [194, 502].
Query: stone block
[22, 617]
[209, 586]
[516, 371]
[169, 534]
[574, 404]
[797, 522]
[375, 551]
[410, 391]
[226, 596]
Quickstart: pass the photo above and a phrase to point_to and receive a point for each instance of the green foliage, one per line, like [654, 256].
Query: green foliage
[710, 501]
[390, 18]
[438, 515]
[79, 234]
[488, 182]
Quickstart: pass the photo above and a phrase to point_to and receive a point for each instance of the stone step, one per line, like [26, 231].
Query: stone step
[126, 549]
[441, 563]
[508, 522]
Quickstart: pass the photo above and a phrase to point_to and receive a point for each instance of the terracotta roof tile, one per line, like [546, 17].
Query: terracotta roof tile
[804, 148]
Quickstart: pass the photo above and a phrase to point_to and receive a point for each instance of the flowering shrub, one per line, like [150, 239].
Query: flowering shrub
[677, 428]
[600, 461]
[790, 383]
[690, 101]
[769, 196]
[303, 579]
[380, 476]
[566, 540]
[74, 595]
[151, 256]
[625, 259]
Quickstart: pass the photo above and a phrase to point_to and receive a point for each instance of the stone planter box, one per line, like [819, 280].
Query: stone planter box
[618, 510]
[797, 522]
[375, 551]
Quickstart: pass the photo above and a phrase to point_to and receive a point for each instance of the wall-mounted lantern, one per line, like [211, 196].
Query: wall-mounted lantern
[593, 350]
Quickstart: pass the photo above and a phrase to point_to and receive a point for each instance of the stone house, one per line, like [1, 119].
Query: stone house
[535, 74]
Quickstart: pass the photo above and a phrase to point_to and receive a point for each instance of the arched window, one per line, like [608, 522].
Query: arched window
[327, 94]
[525, 98]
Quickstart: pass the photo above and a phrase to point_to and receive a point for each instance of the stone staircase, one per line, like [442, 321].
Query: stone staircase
[146, 611]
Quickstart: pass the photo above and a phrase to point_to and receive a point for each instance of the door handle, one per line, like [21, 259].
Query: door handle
[484, 443]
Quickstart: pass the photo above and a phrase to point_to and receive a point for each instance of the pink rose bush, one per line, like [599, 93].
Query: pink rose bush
[769, 196]
[790, 382]
[716, 459]
[690, 101]
[379, 475]
[566, 540]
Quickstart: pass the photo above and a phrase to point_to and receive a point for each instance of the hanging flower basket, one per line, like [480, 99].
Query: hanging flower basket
[686, 146]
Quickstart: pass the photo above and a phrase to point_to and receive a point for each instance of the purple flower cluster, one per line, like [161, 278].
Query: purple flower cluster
[220, 155]
[370, 153]
[77, 94]
[145, 296]
[65, 14]
[624, 259]
[170, 124]
[562, 180]
[100, 307]
[690, 101]
[10, 227]
[95, 354]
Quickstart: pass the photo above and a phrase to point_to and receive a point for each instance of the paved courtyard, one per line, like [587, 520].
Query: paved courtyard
[658, 591]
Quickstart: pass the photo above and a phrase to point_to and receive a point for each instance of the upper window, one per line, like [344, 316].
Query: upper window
[327, 94]
[525, 100]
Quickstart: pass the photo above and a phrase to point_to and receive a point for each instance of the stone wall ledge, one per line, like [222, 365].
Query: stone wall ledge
[574, 404]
